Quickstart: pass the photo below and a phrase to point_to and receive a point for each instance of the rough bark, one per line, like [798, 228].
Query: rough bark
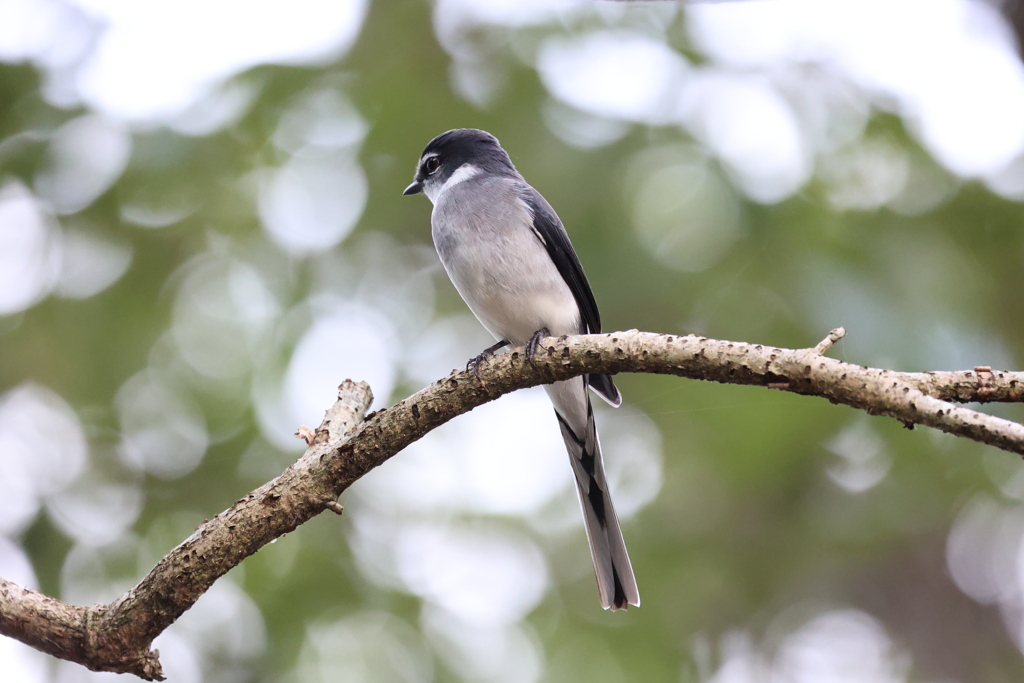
[117, 637]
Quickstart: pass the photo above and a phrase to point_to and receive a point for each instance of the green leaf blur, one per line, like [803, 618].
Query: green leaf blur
[781, 537]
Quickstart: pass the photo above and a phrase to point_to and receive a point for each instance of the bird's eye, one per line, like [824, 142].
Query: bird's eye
[431, 165]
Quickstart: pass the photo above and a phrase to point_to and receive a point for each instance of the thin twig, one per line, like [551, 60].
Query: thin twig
[826, 343]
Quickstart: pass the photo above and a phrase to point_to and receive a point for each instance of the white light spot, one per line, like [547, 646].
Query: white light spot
[455, 21]
[154, 207]
[15, 565]
[842, 646]
[1009, 180]
[50, 32]
[221, 310]
[350, 343]
[864, 462]
[310, 204]
[484, 462]
[23, 664]
[483, 577]
[162, 431]
[321, 118]
[582, 129]
[477, 82]
[140, 70]
[949, 67]
[92, 574]
[368, 646]
[179, 658]
[614, 73]
[226, 628]
[90, 264]
[95, 511]
[347, 341]
[222, 106]
[497, 654]
[752, 129]
[86, 156]
[19, 662]
[30, 249]
[44, 450]
[685, 214]
[982, 550]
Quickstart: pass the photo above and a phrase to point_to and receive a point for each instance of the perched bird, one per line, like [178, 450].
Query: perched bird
[509, 256]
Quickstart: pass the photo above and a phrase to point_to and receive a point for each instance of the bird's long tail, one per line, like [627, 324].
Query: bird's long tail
[615, 580]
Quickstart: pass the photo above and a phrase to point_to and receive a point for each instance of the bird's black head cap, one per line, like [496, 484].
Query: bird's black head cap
[450, 150]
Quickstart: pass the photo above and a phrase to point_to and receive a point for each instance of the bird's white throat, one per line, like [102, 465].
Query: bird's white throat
[464, 172]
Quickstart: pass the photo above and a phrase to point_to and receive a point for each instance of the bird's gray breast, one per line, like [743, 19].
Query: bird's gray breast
[483, 232]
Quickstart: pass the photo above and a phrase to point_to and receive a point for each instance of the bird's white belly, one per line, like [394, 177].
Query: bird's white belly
[513, 288]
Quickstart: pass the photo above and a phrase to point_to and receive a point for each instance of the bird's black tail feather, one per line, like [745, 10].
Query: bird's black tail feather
[615, 580]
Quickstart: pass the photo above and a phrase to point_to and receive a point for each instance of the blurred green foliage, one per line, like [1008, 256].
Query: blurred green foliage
[750, 532]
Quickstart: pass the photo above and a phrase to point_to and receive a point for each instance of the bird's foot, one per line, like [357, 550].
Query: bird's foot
[474, 363]
[531, 346]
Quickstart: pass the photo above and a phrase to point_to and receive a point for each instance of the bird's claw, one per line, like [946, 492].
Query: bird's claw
[474, 363]
[531, 346]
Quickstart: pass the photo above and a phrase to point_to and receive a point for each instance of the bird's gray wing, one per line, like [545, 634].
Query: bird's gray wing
[552, 234]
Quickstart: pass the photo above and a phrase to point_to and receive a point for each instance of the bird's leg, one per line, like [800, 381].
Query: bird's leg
[531, 346]
[474, 363]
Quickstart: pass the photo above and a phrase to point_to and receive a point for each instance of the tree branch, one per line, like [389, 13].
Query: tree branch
[117, 637]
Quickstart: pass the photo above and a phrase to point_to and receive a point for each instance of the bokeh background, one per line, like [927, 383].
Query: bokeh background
[202, 233]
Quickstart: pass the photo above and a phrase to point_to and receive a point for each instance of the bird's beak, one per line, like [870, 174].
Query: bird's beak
[415, 188]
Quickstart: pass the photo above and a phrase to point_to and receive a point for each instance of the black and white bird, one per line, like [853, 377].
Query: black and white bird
[509, 256]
